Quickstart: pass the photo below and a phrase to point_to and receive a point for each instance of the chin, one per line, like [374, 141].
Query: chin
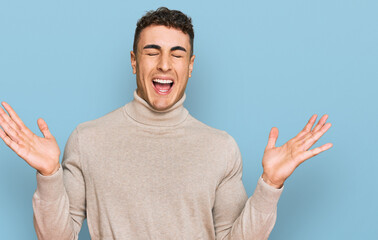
[161, 105]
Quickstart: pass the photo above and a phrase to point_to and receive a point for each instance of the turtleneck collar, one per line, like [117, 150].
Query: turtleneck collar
[142, 112]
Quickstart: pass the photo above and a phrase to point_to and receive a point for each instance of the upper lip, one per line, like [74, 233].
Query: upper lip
[163, 78]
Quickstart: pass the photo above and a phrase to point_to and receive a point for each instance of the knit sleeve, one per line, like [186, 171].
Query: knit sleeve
[236, 216]
[59, 201]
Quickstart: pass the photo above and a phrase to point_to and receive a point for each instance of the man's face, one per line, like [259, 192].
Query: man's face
[162, 65]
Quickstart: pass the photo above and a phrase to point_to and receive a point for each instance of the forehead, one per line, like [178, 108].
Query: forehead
[163, 36]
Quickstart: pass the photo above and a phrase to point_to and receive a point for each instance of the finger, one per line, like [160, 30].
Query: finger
[320, 123]
[273, 135]
[313, 152]
[13, 115]
[312, 138]
[8, 129]
[8, 141]
[44, 128]
[7, 119]
[308, 127]
[11, 123]
[4, 115]
[310, 123]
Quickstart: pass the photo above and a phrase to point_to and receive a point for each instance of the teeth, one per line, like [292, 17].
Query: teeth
[162, 81]
[163, 91]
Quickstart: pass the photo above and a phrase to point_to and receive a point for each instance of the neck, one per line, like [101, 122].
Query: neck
[140, 111]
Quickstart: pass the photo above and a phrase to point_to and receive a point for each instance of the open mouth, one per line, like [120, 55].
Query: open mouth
[162, 86]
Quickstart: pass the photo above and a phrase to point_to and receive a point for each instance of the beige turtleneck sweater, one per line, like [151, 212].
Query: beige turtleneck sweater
[137, 173]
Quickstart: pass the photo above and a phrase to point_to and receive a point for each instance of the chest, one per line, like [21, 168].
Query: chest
[162, 169]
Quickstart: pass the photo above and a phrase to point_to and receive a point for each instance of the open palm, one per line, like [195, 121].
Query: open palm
[42, 153]
[280, 162]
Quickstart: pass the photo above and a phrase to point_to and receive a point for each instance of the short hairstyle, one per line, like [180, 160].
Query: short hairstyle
[166, 17]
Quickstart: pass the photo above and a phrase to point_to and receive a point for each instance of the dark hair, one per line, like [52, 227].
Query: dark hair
[166, 17]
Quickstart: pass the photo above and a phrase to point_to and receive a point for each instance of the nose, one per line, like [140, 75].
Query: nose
[164, 64]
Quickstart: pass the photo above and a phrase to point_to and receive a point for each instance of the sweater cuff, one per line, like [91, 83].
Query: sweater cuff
[266, 197]
[50, 188]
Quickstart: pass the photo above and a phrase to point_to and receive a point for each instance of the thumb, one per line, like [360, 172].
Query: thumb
[43, 128]
[273, 135]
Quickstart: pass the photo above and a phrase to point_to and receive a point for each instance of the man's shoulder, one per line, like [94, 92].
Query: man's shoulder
[213, 135]
[104, 123]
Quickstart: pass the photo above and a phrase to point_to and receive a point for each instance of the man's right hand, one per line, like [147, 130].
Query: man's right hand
[40, 153]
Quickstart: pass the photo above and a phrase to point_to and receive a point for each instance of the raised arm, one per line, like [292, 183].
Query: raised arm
[235, 216]
[59, 202]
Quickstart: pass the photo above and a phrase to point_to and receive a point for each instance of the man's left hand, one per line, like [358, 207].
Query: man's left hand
[280, 162]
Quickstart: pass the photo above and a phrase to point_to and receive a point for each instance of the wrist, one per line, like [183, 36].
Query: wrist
[51, 171]
[275, 184]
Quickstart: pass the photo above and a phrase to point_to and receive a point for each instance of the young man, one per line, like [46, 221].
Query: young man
[149, 170]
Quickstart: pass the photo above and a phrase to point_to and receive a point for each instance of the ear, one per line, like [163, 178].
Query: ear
[133, 61]
[191, 65]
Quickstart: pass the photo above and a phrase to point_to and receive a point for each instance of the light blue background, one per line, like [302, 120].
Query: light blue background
[258, 64]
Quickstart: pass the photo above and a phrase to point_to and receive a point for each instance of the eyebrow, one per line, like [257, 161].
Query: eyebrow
[154, 46]
[178, 48]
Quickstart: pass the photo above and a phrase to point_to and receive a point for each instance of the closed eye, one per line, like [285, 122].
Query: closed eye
[152, 54]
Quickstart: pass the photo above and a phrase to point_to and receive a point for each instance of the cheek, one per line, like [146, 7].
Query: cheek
[146, 68]
[182, 70]
[142, 71]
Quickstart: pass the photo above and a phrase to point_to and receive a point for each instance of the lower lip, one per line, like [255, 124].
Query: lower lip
[162, 93]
